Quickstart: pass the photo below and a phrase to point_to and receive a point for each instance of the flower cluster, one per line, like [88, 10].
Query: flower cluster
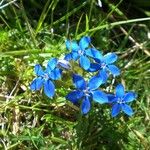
[92, 61]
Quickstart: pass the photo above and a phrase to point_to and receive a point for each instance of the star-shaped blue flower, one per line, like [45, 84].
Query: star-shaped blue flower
[81, 52]
[87, 92]
[120, 99]
[44, 78]
[105, 66]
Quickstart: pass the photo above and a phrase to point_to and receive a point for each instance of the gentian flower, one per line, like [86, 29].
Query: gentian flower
[44, 78]
[120, 99]
[81, 52]
[87, 92]
[105, 66]
[106, 63]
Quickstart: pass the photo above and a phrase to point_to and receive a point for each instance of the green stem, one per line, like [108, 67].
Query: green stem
[27, 52]
[111, 25]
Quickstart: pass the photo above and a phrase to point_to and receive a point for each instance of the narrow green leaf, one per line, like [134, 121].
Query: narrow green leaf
[78, 25]
[87, 24]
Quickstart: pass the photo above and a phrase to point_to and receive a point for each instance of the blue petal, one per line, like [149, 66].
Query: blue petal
[110, 58]
[38, 70]
[94, 67]
[94, 53]
[100, 97]
[111, 98]
[95, 82]
[115, 110]
[74, 55]
[79, 82]
[127, 109]
[74, 96]
[55, 74]
[86, 105]
[129, 97]
[120, 91]
[72, 45]
[68, 56]
[98, 60]
[36, 84]
[51, 64]
[114, 70]
[84, 42]
[49, 88]
[103, 74]
[64, 63]
[84, 62]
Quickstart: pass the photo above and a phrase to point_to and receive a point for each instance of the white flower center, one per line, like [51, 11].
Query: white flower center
[80, 52]
[87, 91]
[103, 65]
[45, 76]
[120, 101]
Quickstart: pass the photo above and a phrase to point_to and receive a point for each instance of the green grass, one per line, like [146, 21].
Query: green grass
[31, 33]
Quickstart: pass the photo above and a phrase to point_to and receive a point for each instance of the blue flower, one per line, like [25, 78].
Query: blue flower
[105, 66]
[87, 92]
[44, 78]
[106, 63]
[81, 52]
[120, 99]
